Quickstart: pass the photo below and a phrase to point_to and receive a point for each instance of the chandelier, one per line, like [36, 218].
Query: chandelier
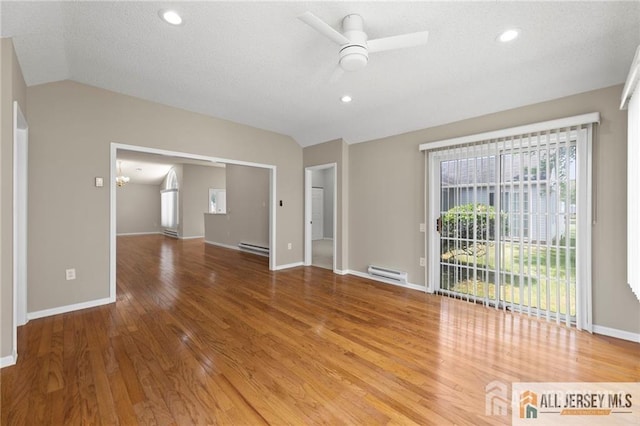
[121, 180]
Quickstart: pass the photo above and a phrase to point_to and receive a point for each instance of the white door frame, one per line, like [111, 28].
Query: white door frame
[20, 176]
[308, 246]
[112, 200]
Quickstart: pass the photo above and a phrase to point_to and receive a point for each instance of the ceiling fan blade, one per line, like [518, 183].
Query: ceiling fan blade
[323, 28]
[398, 42]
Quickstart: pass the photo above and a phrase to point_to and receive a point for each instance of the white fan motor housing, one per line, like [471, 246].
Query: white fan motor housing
[354, 56]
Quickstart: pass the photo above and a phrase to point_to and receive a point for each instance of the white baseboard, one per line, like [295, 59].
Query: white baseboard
[69, 308]
[126, 234]
[288, 265]
[9, 360]
[614, 332]
[340, 272]
[382, 280]
[191, 238]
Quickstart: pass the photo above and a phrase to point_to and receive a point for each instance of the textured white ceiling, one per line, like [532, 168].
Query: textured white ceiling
[257, 64]
[151, 169]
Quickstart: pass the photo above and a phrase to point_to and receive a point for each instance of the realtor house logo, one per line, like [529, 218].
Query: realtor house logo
[581, 403]
[528, 405]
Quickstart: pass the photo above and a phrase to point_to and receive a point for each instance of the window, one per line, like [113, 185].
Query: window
[514, 213]
[217, 201]
[171, 182]
[169, 202]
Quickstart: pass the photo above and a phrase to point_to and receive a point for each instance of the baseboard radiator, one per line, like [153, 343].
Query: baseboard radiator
[170, 233]
[254, 248]
[389, 274]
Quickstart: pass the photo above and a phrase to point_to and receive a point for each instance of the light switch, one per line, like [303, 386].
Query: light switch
[99, 182]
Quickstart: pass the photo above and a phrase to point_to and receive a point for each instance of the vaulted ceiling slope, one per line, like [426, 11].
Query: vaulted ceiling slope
[255, 63]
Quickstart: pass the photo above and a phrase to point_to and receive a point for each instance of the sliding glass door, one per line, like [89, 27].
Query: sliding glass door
[506, 217]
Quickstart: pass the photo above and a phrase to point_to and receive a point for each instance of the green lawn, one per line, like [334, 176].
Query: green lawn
[528, 267]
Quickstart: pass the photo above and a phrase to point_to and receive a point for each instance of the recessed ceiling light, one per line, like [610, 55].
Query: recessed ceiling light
[346, 99]
[171, 16]
[508, 35]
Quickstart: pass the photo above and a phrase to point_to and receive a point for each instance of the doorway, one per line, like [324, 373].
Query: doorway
[321, 216]
[271, 206]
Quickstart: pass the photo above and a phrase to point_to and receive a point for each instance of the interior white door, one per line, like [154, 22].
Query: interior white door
[317, 213]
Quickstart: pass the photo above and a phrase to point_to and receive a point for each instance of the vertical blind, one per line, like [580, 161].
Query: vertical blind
[633, 195]
[631, 100]
[508, 230]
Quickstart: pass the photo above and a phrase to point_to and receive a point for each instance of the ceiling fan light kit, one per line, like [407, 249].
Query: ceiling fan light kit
[353, 58]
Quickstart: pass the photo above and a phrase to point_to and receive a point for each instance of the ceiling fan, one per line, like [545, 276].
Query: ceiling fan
[354, 44]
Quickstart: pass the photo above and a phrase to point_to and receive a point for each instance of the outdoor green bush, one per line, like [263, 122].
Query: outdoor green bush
[459, 222]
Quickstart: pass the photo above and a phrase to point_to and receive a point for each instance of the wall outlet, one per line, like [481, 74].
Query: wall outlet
[70, 274]
[99, 182]
[423, 261]
[423, 227]
[289, 246]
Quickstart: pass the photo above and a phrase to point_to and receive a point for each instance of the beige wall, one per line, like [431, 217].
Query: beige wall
[247, 217]
[392, 170]
[12, 88]
[194, 194]
[71, 128]
[336, 151]
[386, 187]
[138, 209]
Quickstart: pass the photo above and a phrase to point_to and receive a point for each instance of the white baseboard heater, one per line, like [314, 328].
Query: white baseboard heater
[254, 248]
[387, 273]
[170, 233]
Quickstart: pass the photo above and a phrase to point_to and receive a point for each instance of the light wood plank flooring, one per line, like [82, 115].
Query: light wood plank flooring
[206, 335]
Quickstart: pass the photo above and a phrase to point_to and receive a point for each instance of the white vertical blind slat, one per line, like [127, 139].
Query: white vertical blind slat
[567, 228]
[538, 216]
[557, 230]
[518, 155]
[547, 192]
[633, 192]
[530, 228]
[498, 225]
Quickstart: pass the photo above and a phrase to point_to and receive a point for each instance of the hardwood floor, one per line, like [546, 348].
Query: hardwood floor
[204, 335]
